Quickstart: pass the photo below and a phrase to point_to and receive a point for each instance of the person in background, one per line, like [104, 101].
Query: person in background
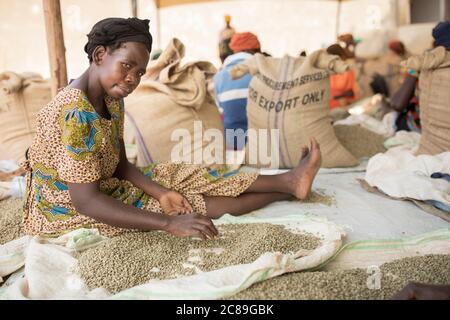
[343, 86]
[231, 95]
[406, 99]
[385, 73]
[224, 39]
[394, 74]
[348, 43]
[406, 102]
[398, 49]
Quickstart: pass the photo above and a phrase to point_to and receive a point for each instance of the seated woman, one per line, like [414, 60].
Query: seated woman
[78, 174]
[406, 102]
[343, 86]
[406, 99]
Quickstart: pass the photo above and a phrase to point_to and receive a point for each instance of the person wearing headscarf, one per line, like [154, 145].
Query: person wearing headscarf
[441, 34]
[224, 39]
[78, 175]
[245, 41]
[343, 86]
[77, 172]
[231, 95]
[395, 74]
[115, 31]
[348, 43]
[397, 47]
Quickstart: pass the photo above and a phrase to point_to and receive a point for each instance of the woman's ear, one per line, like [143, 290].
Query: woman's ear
[99, 54]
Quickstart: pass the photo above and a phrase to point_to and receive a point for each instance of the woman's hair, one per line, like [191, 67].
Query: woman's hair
[112, 32]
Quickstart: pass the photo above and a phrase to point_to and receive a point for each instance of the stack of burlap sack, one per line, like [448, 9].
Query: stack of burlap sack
[407, 173]
[172, 116]
[21, 98]
[433, 91]
[291, 95]
[434, 95]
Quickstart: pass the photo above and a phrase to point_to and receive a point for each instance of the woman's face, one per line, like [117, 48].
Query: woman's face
[121, 70]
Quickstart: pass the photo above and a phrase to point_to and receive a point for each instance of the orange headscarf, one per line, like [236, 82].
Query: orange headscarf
[244, 41]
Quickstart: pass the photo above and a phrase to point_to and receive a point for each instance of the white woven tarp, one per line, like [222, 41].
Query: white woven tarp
[406, 230]
[401, 174]
[50, 266]
[367, 253]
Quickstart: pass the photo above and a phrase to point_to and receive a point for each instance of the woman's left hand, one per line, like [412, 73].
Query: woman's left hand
[174, 203]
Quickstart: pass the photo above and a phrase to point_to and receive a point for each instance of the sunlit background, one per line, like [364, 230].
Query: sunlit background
[283, 26]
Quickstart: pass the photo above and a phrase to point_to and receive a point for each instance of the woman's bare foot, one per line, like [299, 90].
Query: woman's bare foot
[303, 175]
[305, 152]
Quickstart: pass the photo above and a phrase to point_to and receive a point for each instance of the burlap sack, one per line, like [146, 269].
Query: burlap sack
[291, 95]
[359, 141]
[434, 99]
[21, 98]
[175, 97]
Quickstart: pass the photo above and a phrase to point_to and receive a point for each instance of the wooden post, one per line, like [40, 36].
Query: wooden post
[134, 8]
[55, 44]
[338, 18]
[158, 23]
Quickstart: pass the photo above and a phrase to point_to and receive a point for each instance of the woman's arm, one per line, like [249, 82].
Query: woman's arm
[88, 200]
[347, 94]
[401, 98]
[127, 171]
[171, 202]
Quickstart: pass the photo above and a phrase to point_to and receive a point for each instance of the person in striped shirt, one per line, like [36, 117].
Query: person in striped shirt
[231, 94]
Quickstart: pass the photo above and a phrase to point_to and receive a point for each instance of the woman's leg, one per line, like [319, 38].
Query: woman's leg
[296, 182]
[267, 189]
[245, 203]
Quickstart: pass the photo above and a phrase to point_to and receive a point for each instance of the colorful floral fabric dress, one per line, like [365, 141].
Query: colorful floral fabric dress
[74, 144]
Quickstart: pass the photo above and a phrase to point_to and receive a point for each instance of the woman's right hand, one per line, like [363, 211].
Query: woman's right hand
[188, 225]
